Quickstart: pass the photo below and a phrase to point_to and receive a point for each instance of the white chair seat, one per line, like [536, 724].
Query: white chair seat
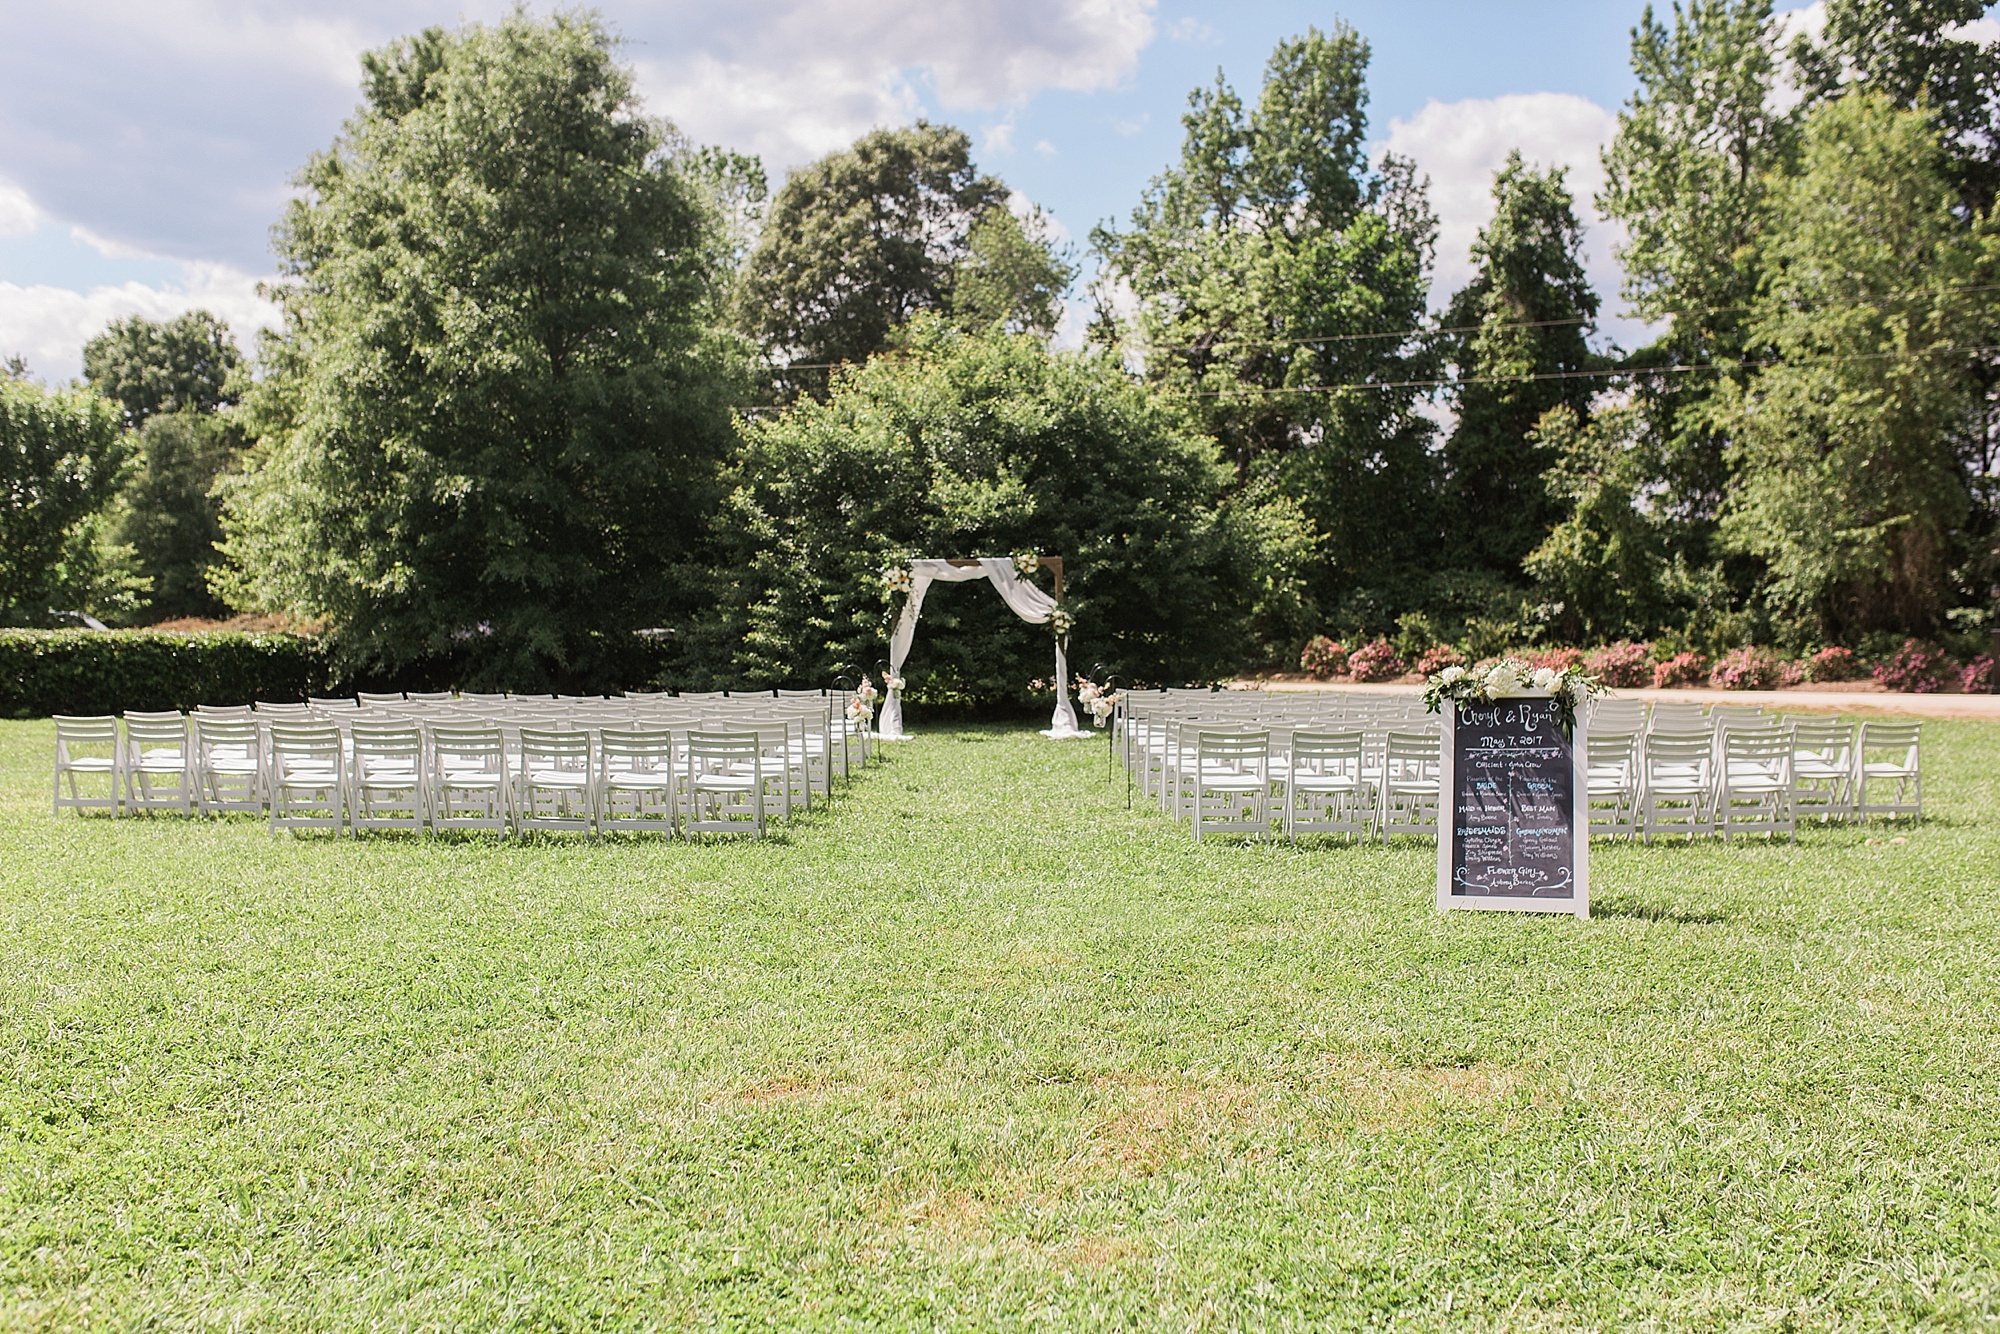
[638, 781]
[568, 779]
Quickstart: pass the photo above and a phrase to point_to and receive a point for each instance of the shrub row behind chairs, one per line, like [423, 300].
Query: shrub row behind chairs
[720, 762]
[1369, 765]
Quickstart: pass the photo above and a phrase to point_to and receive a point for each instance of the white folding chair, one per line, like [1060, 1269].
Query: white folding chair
[1612, 760]
[725, 783]
[159, 768]
[87, 748]
[635, 780]
[1411, 773]
[1679, 784]
[1822, 768]
[385, 786]
[1231, 783]
[466, 768]
[229, 763]
[1326, 791]
[554, 787]
[1888, 756]
[308, 783]
[1754, 782]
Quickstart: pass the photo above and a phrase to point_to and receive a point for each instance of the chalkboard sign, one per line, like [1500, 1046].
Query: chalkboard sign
[1515, 832]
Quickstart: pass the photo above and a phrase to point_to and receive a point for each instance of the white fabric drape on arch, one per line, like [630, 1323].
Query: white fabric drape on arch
[1030, 603]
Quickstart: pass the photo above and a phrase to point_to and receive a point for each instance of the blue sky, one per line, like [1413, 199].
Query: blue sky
[145, 145]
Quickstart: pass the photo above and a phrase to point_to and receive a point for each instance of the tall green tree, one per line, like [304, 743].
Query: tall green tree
[1280, 281]
[1851, 488]
[63, 454]
[860, 241]
[491, 425]
[172, 380]
[148, 366]
[1690, 174]
[1912, 53]
[1527, 312]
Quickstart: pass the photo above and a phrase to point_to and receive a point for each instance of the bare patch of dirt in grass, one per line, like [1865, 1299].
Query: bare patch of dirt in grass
[785, 1088]
[1152, 1122]
[1385, 1097]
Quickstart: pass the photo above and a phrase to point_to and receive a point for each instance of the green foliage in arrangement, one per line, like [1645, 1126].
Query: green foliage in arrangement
[1271, 260]
[146, 367]
[490, 427]
[45, 672]
[979, 445]
[63, 457]
[975, 1047]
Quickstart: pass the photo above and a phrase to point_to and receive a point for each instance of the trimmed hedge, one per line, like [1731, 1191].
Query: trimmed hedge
[43, 672]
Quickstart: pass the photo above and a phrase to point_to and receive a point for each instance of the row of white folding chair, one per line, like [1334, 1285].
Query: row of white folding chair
[398, 776]
[1325, 781]
[1747, 779]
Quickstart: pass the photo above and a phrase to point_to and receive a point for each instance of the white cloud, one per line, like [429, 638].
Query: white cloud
[795, 79]
[1460, 145]
[1044, 146]
[18, 214]
[48, 325]
[999, 138]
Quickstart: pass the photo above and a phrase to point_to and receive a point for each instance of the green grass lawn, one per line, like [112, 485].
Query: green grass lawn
[978, 1047]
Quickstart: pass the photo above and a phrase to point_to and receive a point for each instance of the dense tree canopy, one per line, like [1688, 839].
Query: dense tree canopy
[1282, 286]
[984, 444]
[901, 223]
[490, 426]
[1518, 341]
[144, 366]
[62, 457]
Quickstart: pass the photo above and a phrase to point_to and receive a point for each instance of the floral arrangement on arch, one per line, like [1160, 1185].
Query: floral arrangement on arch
[1101, 702]
[1569, 687]
[896, 580]
[895, 683]
[1062, 622]
[1026, 563]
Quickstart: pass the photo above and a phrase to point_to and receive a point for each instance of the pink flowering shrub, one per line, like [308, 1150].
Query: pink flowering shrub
[1555, 659]
[1322, 658]
[1833, 664]
[1750, 668]
[1915, 669]
[1977, 678]
[1683, 669]
[1375, 662]
[1622, 666]
[1439, 657]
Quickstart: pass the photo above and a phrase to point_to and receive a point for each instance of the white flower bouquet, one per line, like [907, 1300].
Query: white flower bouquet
[896, 579]
[1569, 688]
[893, 682]
[1062, 622]
[1027, 562]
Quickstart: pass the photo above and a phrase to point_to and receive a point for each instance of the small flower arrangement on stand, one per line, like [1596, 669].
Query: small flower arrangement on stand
[861, 709]
[1569, 688]
[1102, 703]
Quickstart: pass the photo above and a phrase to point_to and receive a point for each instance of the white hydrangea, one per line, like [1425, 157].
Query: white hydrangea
[1451, 674]
[1503, 679]
[1544, 677]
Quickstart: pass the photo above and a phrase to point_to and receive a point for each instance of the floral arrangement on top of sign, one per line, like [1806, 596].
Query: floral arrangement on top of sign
[1569, 687]
[1102, 703]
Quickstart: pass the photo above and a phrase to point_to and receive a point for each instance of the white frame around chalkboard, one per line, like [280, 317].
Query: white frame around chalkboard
[1578, 906]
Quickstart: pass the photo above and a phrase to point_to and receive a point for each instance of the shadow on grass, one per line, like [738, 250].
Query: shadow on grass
[1625, 905]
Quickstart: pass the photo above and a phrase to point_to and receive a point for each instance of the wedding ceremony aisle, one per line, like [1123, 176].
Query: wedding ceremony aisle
[971, 1044]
